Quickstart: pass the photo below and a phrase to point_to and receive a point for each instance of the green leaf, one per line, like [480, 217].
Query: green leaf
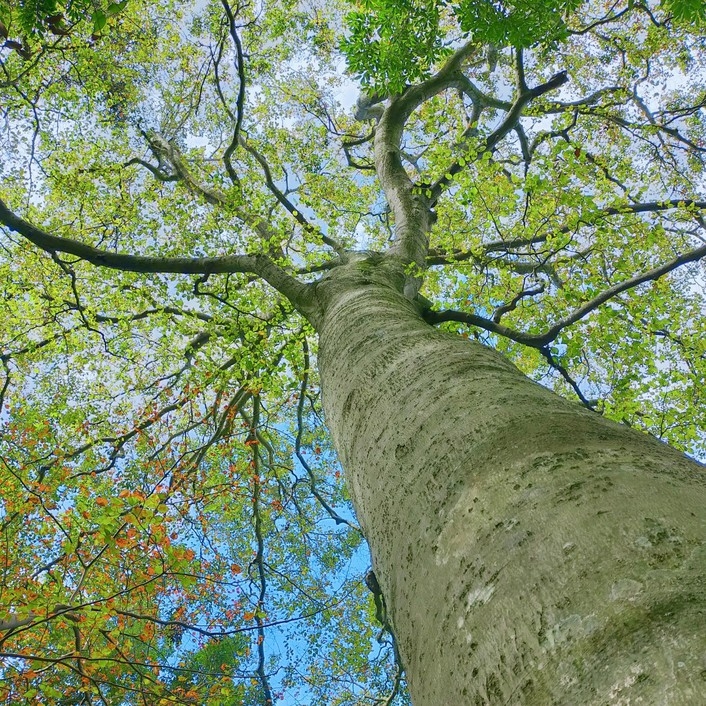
[116, 8]
[690, 11]
[100, 19]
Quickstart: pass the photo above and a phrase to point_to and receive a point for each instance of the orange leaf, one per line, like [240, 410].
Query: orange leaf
[102, 502]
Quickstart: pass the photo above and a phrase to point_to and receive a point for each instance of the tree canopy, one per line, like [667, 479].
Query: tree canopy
[174, 523]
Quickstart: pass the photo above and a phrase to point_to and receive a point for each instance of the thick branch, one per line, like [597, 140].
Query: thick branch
[508, 124]
[542, 340]
[413, 215]
[297, 292]
[464, 317]
[240, 100]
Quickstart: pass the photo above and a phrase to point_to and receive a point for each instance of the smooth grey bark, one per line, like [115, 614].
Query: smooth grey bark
[530, 551]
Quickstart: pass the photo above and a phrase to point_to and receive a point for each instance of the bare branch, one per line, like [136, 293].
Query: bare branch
[503, 309]
[520, 71]
[298, 447]
[258, 560]
[609, 17]
[348, 144]
[565, 374]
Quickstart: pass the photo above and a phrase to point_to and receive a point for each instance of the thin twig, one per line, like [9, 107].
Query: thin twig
[298, 447]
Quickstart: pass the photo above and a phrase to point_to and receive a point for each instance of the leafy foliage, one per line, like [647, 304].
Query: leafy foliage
[28, 23]
[396, 42]
[392, 43]
[177, 527]
[692, 11]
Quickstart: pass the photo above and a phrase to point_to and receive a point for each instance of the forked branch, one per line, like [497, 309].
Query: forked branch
[506, 126]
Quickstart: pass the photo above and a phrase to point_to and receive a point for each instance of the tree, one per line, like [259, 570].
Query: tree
[200, 242]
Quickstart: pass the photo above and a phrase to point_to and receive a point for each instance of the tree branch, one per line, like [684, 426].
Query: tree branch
[297, 292]
[156, 171]
[508, 124]
[412, 211]
[167, 152]
[298, 446]
[438, 257]
[565, 374]
[258, 560]
[240, 100]
[588, 307]
[284, 201]
[542, 340]
[503, 309]
[464, 317]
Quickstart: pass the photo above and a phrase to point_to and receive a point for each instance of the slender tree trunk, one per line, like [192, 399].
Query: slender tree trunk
[530, 551]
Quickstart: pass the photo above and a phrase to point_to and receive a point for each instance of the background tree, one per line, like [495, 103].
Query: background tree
[198, 223]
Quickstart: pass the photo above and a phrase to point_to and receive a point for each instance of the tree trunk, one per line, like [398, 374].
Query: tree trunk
[529, 550]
